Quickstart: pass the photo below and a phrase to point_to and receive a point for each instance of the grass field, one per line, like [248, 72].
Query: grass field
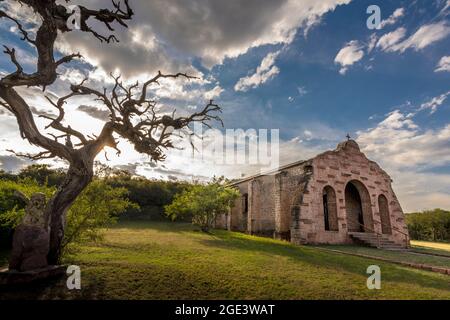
[412, 257]
[431, 247]
[175, 261]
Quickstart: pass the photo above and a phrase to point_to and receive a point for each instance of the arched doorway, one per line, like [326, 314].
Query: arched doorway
[358, 207]
[329, 209]
[384, 215]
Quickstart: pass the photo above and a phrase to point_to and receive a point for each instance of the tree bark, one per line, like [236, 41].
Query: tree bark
[78, 177]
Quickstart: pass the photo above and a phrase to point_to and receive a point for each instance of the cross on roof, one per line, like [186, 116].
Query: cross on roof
[348, 137]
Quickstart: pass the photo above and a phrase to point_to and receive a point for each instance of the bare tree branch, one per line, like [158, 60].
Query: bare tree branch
[19, 26]
[133, 115]
[149, 132]
[56, 123]
[12, 55]
[119, 14]
[68, 58]
[37, 156]
[54, 18]
[5, 105]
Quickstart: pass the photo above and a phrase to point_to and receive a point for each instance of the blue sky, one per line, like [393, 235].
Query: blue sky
[309, 68]
[344, 102]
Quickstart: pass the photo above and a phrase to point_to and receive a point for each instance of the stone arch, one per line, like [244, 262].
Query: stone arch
[358, 207]
[383, 206]
[329, 206]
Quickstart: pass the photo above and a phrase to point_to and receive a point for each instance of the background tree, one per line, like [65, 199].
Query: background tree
[203, 202]
[431, 225]
[43, 174]
[132, 113]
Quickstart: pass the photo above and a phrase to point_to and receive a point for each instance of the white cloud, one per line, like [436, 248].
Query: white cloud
[214, 92]
[400, 142]
[435, 102]
[389, 39]
[348, 55]
[445, 10]
[409, 154]
[372, 42]
[210, 30]
[302, 91]
[214, 30]
[421, 190]
[393, 18]
[425, 36]
[443, 64]
[168, 36]
[265, 71]
[11, 163]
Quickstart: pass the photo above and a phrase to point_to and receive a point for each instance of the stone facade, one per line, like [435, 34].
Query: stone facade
[319, 201]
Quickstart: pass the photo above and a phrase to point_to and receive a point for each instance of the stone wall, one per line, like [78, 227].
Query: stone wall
[289, 203]
[237, 219]
[336, 169]
[260, 216]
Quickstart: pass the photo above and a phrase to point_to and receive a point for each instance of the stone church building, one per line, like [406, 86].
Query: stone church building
[337, 197]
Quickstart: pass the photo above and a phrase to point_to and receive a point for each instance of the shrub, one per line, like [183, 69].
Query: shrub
[430, 225]
[150, 195]
[12, 208]
[98, 206]
[203, 202]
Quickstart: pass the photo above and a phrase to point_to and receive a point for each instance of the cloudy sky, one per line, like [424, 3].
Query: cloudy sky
[312, 69]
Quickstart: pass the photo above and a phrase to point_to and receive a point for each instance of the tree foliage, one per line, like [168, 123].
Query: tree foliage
[431, 225]
[43, 174]
[97, 207]
[12, 207]
[203, 202]
[151, 195]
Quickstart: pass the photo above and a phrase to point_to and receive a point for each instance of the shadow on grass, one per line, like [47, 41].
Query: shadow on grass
[428, 250]
[50, 289]
[403, 256]
[316, 257]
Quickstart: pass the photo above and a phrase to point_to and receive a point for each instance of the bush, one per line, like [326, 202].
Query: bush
[12, 208]
[203, 202]
[97, 207]
[430, 225]
[150, 195]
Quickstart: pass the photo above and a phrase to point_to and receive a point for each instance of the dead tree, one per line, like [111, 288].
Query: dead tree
[132, 114]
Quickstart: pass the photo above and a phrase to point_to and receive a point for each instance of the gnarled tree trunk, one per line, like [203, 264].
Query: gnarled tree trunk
[132, 115]
[76, 181]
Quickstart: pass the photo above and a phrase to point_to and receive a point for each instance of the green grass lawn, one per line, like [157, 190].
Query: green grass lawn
[174, 261]
[395, 255]
[431, 247]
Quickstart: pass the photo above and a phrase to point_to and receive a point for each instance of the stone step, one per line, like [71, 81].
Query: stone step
[372, 240]
[367, 234]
